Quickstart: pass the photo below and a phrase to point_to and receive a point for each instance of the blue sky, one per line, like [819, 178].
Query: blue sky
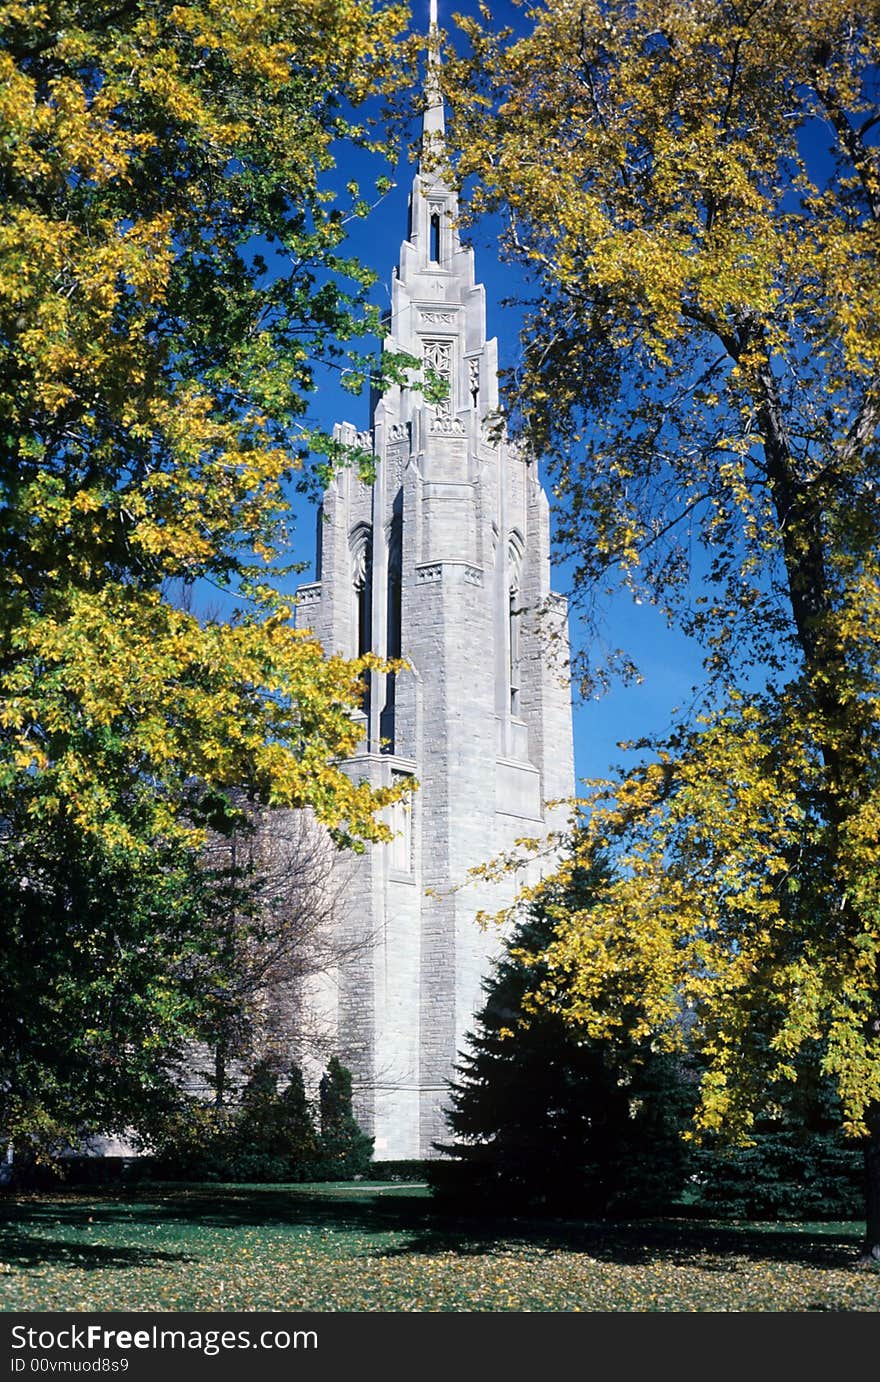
[670, 666]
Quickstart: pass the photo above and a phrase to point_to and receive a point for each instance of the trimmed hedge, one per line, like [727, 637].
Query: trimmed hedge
[399, 1171]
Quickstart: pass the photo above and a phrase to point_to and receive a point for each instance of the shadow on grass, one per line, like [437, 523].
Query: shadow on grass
[25, 1253]
[244, 1206]
[417, 1222]
[678, 1243]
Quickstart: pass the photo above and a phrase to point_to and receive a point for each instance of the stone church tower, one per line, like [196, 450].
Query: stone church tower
[445, 562]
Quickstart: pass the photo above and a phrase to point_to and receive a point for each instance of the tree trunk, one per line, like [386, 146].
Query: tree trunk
[219, 1075]
[841, 736]
[870, 1255]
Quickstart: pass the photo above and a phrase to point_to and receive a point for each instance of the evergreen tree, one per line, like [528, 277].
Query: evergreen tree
[270, 1136]
[798, 1164]
[261, 1123]
[346, 1150]
[548, 1119]
[299, 1127]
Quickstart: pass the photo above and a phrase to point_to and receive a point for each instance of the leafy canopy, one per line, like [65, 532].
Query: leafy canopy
[170, 274]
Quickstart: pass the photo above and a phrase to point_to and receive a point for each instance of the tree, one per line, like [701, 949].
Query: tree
[346, 1151]
[170, 276]
[263, 1135]
[275, 1131]
[548, 1119]
[98, 995]
[694, 188]
[275, 886]
[797, 1164]
[301, 1135]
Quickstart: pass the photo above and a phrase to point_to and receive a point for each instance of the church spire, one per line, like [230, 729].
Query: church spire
[432, 241]
[433, 121]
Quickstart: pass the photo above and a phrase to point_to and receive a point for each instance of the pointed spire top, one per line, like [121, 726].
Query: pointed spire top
[433, 122]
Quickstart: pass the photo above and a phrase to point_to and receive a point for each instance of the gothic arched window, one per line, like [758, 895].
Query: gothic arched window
[361, 546]
[435, 237]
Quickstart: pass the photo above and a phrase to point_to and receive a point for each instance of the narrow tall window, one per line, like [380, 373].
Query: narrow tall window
[393, 635]
[514, 618]
[435, 238]
[394, 612]
[394, 603]
[365, 635]
[364, 638]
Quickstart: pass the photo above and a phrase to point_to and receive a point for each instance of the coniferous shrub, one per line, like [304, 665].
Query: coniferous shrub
[789, 1173]
[270, 1136]
[275, 1133]
[301, 1138]
[346, 1151]
[799, 1165]
[260, 1125]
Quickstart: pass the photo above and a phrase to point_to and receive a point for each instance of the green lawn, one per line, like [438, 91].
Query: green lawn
[384, 1248]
